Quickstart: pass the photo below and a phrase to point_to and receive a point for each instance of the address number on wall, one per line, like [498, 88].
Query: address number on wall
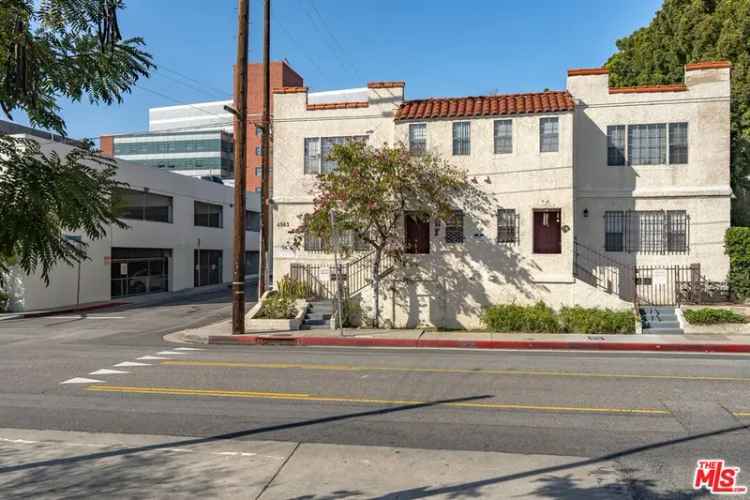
[282, 224]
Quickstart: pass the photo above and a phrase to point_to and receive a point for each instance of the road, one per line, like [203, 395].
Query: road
[386, 423]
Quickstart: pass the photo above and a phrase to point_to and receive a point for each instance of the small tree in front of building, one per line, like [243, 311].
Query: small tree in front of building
[371, 190]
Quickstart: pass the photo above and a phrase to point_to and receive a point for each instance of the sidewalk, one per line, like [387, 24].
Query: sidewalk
[219, 333]
[38, 313]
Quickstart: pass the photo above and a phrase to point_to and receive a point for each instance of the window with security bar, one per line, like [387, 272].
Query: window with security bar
[461, 138]
[454, 228]
[507, 226]
[314, 243]
[503, 136]
[417, 138]
[648, 232]
[678, 143]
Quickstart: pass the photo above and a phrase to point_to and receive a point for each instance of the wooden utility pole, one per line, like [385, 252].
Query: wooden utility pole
[240, 171]
[265, 188]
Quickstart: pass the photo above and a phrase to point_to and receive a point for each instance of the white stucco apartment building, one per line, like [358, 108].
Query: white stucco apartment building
[597, 190]
[179, 237]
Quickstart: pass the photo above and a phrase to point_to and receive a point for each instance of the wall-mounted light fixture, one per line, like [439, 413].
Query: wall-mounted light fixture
[585, 212]
[474, 180]
[488, 180]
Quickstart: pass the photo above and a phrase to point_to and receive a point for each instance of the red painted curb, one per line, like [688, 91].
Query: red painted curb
[476, 344]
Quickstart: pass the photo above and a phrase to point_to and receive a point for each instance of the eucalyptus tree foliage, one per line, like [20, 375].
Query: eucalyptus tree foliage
[372, 188]
[50, 50]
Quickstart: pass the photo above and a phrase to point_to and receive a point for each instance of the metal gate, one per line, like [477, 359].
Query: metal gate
[320, 280]
[664, 285]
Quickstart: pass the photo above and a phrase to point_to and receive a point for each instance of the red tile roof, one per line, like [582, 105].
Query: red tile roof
[338, 105]
[587, 71]
[470, 107]
[385, 85]
[708, 65]
[643, 89]
[289, 90]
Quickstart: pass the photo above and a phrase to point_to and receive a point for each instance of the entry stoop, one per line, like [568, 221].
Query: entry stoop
[660, 320]
[318, 316]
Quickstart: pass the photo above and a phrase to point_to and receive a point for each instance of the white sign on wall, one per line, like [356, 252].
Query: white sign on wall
[659, 277]
[123, 268]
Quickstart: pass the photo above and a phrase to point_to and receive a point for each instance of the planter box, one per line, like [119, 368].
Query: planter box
[275, 325]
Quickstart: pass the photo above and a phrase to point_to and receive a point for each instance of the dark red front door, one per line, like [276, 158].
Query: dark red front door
[547, 231]
[417, 233]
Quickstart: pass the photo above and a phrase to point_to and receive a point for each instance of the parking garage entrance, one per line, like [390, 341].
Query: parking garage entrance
[137, 271]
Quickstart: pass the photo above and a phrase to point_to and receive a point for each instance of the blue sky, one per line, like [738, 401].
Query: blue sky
[439, 47]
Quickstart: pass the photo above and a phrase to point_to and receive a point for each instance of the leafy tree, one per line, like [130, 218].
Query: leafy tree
[52, 49]
[685, 31]
[370, 191]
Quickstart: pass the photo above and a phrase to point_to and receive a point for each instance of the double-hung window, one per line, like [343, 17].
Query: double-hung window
[417, 138]
[461, 138]
[616, 145]
[549, 135]
[614, 231]
[503, 136]
[507, 225]
[454, 228]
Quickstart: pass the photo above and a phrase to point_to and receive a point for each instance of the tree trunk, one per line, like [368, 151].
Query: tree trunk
[376, 287]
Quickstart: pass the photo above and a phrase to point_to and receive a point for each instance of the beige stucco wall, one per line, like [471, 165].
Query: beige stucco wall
[450, 286]
[700, 187]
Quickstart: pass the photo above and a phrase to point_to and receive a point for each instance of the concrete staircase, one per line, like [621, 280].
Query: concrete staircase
[660, 320]
[318, 316]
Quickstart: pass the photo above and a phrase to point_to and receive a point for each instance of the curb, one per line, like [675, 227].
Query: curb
[465, 344]
[72, 309]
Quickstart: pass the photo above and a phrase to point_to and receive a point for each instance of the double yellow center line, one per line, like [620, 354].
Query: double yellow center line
[292, 396]
[478, 371]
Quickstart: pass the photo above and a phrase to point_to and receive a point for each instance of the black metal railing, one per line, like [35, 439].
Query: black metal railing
[359, 271]
[313, 277]
[603, 272]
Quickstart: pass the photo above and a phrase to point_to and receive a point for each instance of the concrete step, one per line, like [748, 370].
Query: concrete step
[315, 327]
[318, 315]
[661, 324]
[663, 331]
[665, 317]
[311, 322]
[657, 310]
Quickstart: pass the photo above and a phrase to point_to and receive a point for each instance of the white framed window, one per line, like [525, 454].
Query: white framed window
[647, 144]
[678, 143]
[503, 136]
[549, 135]
[507, 225]
[616, 145]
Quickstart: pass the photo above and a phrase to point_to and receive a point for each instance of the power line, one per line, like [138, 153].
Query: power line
[338, 57]
[296, 44]
[202, 84]
[195, 88]
[165, 96]
[335, 40]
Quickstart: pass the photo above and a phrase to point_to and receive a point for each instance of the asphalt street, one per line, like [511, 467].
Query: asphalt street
[649, 417]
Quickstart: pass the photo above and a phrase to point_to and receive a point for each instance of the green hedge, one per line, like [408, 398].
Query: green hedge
[593, 320]
[277, 306]
[737, 245]
[540, 318]
[709, 316]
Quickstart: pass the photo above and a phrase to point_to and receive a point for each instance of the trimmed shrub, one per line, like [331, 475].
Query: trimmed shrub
[737, 246]
[276, 306]
[4, 297]
[709, 316]
[593, 320]
[538, 318]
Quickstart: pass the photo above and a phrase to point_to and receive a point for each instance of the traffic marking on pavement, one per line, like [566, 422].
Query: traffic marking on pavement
[188, 349]
[226, 393]
[107, 371]
[479, 371]
[125, 364]
[82, 380]
[154, 358]
[742, 414]
[169, 352]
